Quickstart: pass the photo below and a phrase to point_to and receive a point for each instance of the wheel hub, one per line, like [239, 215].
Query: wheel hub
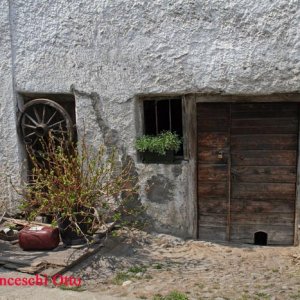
[41, 130]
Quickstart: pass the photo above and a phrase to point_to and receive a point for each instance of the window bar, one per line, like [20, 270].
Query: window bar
[156, 118]
[170, 116]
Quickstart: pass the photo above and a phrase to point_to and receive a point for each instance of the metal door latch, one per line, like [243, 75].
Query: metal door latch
[220, 154]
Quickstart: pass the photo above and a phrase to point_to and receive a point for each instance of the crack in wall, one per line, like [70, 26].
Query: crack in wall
[112, 140]
[110, 136]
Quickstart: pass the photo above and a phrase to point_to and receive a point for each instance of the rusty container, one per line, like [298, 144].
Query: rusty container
[39, 238]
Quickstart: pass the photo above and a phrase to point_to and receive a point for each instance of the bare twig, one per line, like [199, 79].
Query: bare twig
[2, 216]
[23, 222]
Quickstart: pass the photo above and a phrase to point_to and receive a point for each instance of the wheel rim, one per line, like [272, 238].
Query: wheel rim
[42, 116]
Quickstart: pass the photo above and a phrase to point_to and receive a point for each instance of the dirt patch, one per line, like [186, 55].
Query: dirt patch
[142, 265]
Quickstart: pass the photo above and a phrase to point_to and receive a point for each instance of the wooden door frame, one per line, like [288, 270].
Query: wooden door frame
[189, 112]
[191, 102]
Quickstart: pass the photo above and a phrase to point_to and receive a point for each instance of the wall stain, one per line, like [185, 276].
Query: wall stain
[160, 189]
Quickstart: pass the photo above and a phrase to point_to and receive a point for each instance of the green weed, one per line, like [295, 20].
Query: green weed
[137, 269]
[157, 266]
[175, 295]
[261, 296]
[295, 296]
[121, 277]
[72, 288]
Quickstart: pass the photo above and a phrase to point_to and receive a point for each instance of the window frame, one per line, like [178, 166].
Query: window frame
[142, 130]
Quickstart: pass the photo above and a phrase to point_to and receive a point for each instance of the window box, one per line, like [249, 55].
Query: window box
[156, 158]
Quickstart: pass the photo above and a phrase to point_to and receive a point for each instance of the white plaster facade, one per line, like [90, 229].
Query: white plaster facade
[108, 53]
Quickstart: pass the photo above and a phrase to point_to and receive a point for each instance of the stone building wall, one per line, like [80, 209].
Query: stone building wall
[109, 53]
[10, 158]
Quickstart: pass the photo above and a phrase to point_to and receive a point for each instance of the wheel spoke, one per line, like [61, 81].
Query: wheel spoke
[43, 116]
[29, 126]
[34, 141]
[51, 117]
[57, 123]
[37, 115]
[30, 134]
[31, 119]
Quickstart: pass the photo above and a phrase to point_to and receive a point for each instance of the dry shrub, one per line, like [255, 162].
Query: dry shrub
[5, 195]
[79, 183]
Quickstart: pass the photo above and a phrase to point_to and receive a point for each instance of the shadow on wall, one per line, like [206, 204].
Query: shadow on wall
[160, 189]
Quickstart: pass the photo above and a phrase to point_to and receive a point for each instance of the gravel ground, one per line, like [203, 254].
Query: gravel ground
[141, 265]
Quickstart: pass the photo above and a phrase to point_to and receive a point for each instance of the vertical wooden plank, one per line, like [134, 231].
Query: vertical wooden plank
[297, 202]
[229, 177]
[213, 130]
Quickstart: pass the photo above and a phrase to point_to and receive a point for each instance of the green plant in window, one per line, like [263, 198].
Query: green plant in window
[165, 141]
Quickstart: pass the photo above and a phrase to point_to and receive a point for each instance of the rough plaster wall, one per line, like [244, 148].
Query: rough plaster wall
[166, 191]
[126, 47]
[9, 160]
[119, 49]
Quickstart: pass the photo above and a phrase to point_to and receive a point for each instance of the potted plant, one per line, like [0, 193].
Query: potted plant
[159, 148]
[81, 187]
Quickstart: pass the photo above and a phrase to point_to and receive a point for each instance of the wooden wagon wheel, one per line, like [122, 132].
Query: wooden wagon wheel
[42, 116]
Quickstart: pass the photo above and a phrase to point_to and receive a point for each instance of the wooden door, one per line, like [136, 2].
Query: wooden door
[247, 157]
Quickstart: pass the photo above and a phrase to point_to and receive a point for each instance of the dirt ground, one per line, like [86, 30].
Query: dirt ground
[144, 265]
[141, 266]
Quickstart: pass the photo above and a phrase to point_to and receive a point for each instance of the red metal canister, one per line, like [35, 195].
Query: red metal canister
[39, 238]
